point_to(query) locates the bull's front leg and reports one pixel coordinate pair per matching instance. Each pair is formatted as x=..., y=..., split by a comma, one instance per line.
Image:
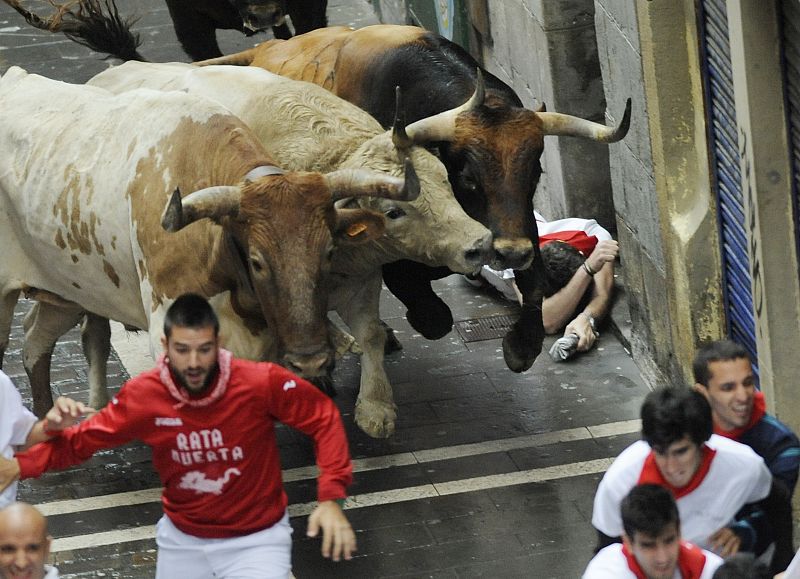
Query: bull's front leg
x=523, y=342
x=375, y=411
x=44, y=324
x=410, y=282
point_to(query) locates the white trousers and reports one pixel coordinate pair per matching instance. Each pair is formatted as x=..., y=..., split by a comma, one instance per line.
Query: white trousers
x=265, y=554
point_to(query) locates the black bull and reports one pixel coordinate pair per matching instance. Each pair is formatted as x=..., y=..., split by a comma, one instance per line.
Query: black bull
x=195, y=22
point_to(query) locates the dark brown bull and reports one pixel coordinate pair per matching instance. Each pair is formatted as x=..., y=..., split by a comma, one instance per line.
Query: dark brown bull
x=492, y=152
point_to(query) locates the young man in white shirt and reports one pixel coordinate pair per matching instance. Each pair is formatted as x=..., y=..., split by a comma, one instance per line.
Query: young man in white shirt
x=651, y=547
x=578, y=255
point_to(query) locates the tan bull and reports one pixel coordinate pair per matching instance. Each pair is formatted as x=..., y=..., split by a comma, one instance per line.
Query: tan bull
x=91, y=213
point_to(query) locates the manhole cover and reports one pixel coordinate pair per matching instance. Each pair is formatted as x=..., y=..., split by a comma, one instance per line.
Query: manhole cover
x=485, y=328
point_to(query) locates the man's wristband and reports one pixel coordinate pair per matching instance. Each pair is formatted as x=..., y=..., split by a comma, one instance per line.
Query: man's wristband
x=588, y=269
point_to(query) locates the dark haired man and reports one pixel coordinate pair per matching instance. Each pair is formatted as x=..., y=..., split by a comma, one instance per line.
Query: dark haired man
x=578, y=255
x=651, y=543
x=209, y=419
x=711, y=477
x=724, y=374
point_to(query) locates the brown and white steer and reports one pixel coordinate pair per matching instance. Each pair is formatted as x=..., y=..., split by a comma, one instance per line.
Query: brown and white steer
x=308, y=128
x=85, y=177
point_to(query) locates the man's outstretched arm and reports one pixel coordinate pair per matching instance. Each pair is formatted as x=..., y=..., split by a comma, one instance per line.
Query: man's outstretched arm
x=65, y=412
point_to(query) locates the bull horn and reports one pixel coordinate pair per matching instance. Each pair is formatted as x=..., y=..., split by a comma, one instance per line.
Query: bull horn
x=346, y=183
x=442, y=127
x=211, y=202
x=567, y=125
x=400, y=138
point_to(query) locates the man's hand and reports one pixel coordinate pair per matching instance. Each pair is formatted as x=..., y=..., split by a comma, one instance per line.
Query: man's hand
x=66, y=412
x=9, y=472
x=338, y=538
x=581, y=327
x=725, y=542
x=605, y=251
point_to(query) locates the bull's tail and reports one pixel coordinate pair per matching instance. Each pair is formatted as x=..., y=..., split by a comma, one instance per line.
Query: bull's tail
x=95, y=24
x=243, y=58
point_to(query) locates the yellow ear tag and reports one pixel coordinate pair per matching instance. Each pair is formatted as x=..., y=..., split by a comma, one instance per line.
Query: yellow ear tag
x=356, y=229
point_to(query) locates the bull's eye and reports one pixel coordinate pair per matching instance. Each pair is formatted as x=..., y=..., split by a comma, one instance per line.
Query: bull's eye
x=395, y=213
x=469, y=183
x=256, y=265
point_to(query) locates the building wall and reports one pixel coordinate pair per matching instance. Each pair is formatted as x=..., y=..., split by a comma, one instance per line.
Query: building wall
x=665, y=207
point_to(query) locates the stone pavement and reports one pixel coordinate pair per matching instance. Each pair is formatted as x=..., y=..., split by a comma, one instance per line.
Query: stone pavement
x=490, y=473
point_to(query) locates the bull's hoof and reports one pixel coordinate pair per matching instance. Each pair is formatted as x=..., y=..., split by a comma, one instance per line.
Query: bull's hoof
x=432, y=322
x=519, y=352
x=392, y=344
x=376, y=418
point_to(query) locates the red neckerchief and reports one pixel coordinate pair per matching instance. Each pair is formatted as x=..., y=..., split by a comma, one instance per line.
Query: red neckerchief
x=691, y=561
x=577, y=239
x=759, y=410
x=651, y=475
x=182, y=395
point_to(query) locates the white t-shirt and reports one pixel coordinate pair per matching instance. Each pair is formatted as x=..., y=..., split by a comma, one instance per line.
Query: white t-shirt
x=52, y=572
x=589, y=226
x=610, y=563
x=16, y=422
x=737, y=476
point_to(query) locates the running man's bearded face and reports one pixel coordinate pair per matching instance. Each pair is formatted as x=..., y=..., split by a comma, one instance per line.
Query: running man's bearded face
x=192, y=356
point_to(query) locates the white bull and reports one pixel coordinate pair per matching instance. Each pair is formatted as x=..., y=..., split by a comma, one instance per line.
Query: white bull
x=308, y=128
x=85, y=176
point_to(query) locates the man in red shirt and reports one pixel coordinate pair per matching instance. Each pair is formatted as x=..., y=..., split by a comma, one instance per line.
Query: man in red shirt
x=209, y=419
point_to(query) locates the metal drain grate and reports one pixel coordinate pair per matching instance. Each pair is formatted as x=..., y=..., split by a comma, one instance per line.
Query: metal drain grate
x=485, y=328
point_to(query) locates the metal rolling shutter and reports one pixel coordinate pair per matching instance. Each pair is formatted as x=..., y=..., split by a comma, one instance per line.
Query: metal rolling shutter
x=790, y=19
x=723, y=144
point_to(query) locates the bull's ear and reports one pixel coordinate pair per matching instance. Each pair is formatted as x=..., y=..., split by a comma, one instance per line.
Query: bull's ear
x=354, y=226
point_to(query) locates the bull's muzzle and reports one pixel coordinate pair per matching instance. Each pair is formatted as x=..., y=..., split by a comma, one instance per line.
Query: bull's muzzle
x=512, y=253
x=262, y=16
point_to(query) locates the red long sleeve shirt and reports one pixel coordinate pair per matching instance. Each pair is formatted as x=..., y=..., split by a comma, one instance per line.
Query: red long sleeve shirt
x=219, y=463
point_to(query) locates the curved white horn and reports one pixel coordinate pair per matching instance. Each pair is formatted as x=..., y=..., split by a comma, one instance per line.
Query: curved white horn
x=211, y=202
x=442, y=127
x=346, y=183
x=567, y=125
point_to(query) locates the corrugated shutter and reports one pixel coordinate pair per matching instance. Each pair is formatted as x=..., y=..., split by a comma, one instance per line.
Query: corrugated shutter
x=723, y=142
x=790, y=18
